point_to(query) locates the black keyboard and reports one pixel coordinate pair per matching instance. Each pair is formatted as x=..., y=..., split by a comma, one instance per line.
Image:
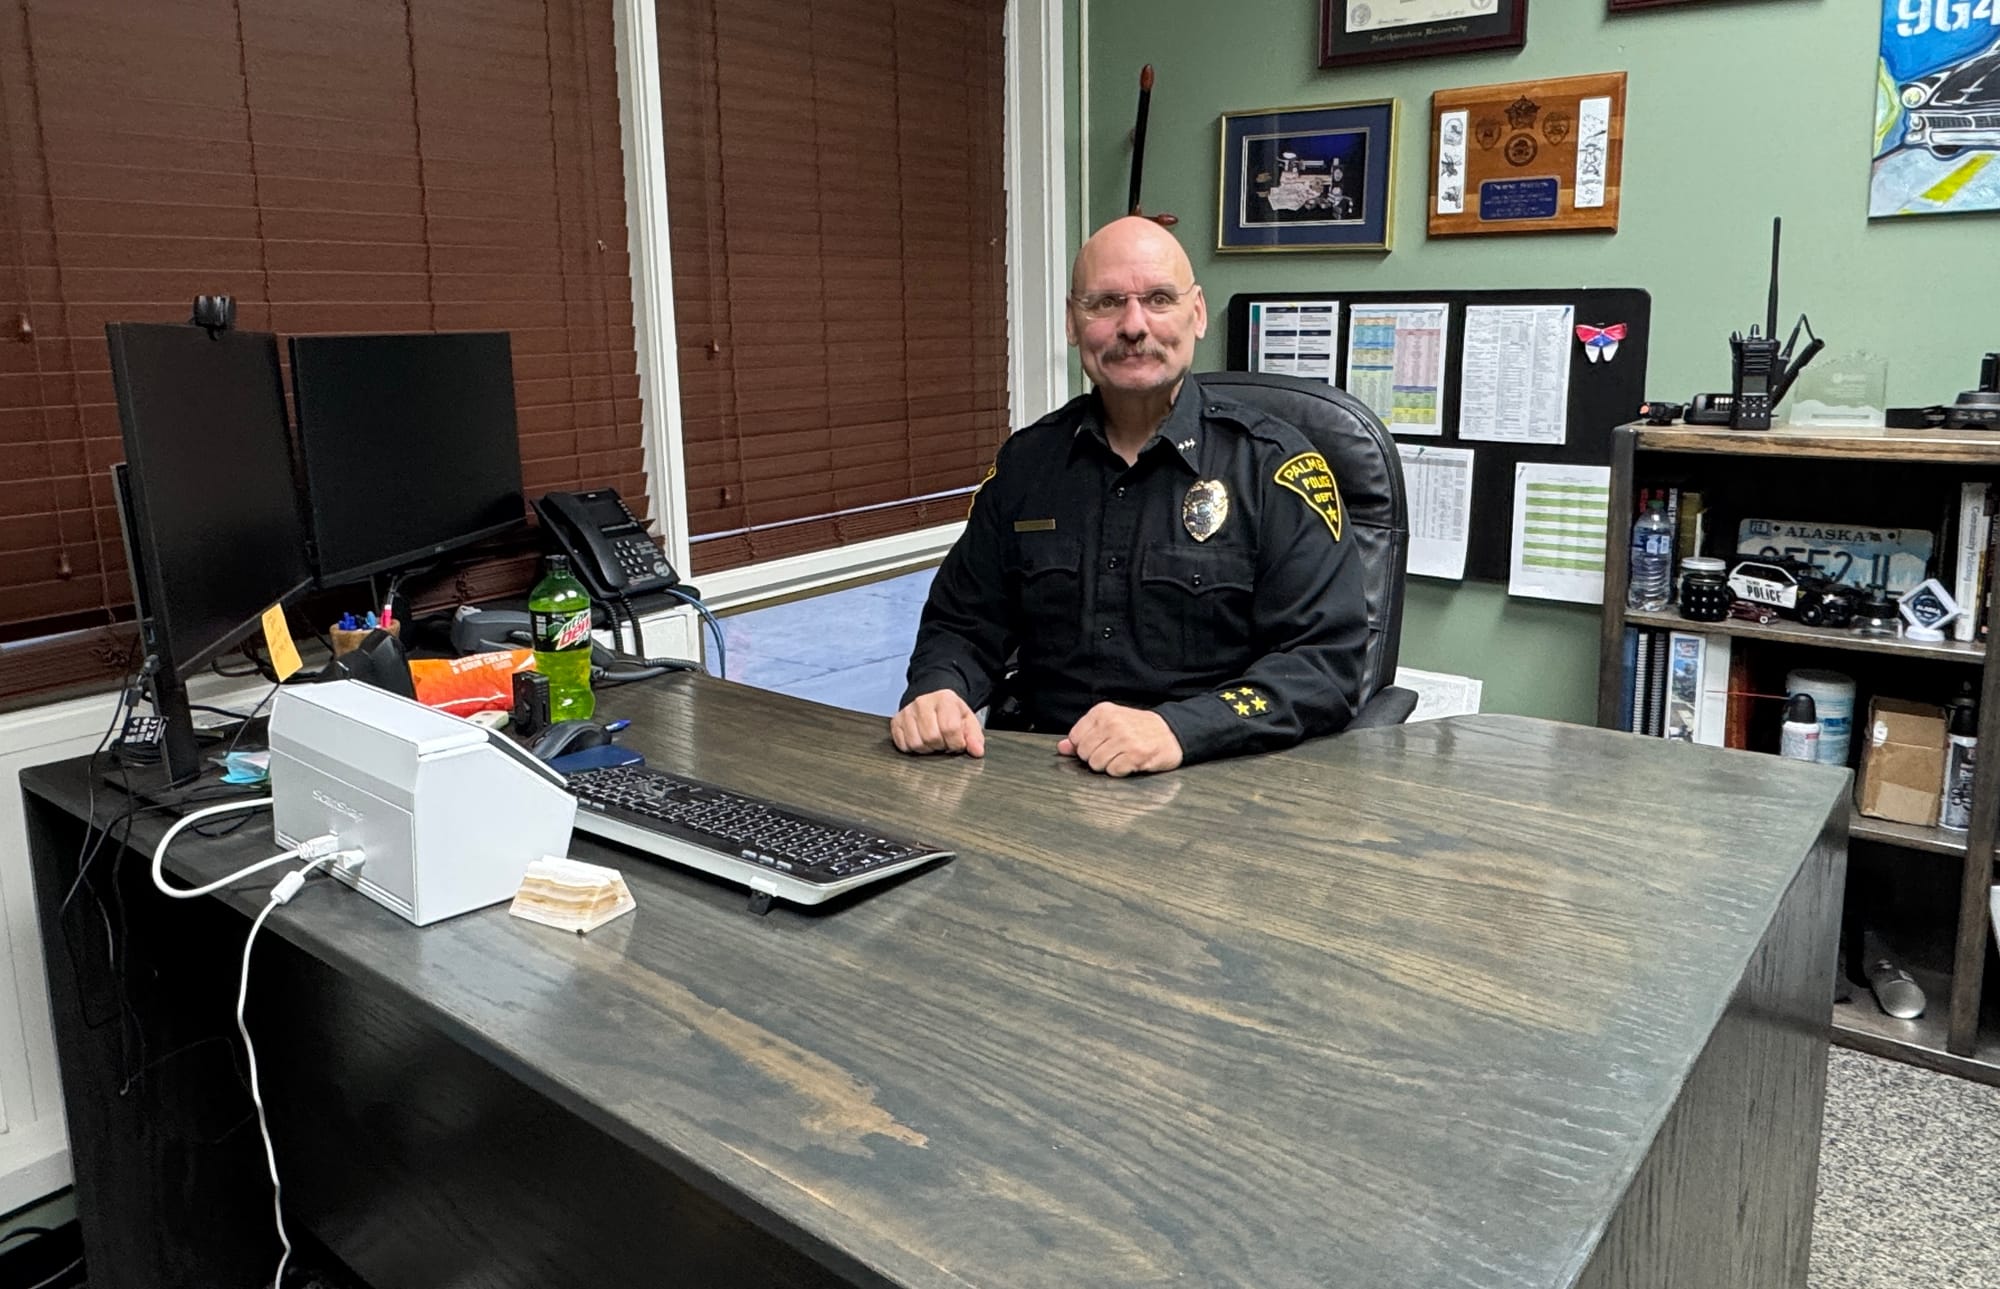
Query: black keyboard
x=778, y=851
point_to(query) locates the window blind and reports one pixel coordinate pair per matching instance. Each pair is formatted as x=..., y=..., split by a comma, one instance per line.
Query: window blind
x=371, y=165
x=838, y=218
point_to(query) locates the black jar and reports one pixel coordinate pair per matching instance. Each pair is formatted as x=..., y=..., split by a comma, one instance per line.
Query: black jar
x=1704, y=589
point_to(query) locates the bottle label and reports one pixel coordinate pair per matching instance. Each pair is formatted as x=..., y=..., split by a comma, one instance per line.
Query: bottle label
x=556, y=632
x=1659, y=544
x=1955, y=812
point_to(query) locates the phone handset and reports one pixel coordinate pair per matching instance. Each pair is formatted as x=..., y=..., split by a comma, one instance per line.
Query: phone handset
x=609, y=549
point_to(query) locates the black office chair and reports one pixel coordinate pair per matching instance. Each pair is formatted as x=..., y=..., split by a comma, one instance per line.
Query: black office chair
x=1363, y=456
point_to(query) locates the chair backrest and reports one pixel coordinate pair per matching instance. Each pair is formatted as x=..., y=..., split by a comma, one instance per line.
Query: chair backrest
x=1370, y=475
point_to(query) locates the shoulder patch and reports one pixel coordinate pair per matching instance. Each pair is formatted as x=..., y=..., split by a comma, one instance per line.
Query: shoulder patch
x=1311, y=477
x=984, y=479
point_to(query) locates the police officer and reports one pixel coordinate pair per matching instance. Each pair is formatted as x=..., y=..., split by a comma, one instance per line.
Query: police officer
x=1166, y=564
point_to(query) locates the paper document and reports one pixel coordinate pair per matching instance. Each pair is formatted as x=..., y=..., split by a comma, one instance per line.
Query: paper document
x=1514, y=383
x=1294, y=337
x=1440, y=693
x=1438, y=483
x=1559, y=517
x=1395, y=363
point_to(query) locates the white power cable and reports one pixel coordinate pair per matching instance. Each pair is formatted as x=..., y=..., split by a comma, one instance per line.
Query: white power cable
x=287, y=887
x=313, y=849
x=282, y=893
x=316, y=852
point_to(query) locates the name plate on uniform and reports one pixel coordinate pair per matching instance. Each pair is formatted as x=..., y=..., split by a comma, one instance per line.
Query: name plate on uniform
x=1527, y=156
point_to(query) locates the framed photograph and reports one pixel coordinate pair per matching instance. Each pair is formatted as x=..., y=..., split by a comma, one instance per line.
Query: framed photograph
x=1528, y=156
x=1375, y=31
x=1308, y=178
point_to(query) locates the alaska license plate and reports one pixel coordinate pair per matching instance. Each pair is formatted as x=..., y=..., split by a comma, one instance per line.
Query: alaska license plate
x=1847, y=553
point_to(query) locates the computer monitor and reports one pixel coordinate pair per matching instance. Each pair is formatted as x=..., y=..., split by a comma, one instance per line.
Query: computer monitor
x=409, y=446
x=209, y=498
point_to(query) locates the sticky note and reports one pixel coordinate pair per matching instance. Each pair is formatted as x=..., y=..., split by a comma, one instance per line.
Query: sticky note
x=278, y=639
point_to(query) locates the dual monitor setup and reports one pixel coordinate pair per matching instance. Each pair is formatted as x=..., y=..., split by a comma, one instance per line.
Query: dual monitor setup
x=405, y=449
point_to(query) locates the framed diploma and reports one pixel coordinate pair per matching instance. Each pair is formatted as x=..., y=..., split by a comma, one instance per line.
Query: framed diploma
x=1373, y=31
x=1528, y=156
x=1308, y=178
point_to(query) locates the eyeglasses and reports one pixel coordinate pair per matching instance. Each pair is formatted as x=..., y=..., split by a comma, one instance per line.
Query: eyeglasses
x=1110, y=304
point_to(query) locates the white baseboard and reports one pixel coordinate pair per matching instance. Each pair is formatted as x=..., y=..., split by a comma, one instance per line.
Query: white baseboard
x=34, y=1164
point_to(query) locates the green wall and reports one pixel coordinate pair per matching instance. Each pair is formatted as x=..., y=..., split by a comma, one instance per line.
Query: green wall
x=1736, y=112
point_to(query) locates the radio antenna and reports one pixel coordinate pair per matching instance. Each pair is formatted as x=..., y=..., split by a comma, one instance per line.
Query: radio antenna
x=1771, y=311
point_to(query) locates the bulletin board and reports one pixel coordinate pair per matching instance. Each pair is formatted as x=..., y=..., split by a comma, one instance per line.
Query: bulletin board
x=1602, y=395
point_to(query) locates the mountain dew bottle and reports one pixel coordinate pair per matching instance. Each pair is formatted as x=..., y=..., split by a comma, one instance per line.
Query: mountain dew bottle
x=559, y=616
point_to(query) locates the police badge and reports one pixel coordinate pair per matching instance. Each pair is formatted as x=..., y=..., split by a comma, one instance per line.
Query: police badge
x=1204, y=508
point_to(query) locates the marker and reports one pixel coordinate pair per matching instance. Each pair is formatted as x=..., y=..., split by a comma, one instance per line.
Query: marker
x=615, y=726
x=388, y=615
x=348, y=623
x=370, y=622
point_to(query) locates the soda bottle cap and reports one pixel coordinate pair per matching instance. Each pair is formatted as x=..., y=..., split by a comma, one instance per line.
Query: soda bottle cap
x=1799, y=710
x=558, y=563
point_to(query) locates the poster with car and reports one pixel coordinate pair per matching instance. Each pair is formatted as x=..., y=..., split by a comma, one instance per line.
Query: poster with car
x=1937, y=108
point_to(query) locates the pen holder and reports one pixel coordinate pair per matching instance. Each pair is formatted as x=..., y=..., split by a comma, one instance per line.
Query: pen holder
x=346, y=642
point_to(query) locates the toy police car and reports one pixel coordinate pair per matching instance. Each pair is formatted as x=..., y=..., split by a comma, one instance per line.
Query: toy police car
x=1796, y=589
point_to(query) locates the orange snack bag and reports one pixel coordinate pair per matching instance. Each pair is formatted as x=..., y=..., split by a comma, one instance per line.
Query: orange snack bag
x=480, y=682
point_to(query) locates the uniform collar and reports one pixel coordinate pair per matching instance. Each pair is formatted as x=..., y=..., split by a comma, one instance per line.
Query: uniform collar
x=1182, y=430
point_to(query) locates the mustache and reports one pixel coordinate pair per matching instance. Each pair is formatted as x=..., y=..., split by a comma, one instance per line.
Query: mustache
x=1121, y=351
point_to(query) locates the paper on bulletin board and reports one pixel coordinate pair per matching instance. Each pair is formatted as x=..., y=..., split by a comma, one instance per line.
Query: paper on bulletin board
x=1294, y=337
x=1440, y=693
x=1438, y=484
x=1395, y=363
x=1558, y=544
x=1514, y=381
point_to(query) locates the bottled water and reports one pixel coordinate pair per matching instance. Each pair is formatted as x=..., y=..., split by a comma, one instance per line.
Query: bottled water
x=1652, y=559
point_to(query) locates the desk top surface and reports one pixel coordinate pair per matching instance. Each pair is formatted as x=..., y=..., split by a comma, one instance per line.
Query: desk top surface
x=1405, y=1006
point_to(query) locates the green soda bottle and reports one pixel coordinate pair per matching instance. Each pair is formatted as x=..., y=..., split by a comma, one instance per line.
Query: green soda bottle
x=559, y=614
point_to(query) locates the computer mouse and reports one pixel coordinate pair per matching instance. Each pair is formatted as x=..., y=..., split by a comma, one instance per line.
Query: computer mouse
x=570, y=736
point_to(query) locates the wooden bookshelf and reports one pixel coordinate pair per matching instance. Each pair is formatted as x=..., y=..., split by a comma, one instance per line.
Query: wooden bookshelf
x=1930, y=447
x=1865, y=1027
x=1819, y=637
x=1885, y=477
x=1938, y=841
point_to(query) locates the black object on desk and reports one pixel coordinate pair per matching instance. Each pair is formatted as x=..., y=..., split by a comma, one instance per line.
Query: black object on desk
x=378, y=660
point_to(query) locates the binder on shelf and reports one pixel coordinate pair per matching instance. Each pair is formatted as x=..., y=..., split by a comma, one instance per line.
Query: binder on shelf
x=1656, y=687
x=1630, y=656
x=1698, y=688
x=1974, y=520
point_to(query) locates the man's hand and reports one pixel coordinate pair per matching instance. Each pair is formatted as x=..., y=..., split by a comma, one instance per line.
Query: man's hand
x=938, y=721
x=1119, y=741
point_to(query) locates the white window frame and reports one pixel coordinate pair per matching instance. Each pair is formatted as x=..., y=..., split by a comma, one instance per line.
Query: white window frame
x=1037, y=269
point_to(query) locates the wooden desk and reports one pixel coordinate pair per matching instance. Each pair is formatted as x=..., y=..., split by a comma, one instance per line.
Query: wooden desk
x=1482, y=1002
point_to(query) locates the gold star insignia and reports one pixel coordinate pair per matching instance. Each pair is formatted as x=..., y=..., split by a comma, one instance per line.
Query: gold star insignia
x=1228, y=695
x=1258, y=702
x=1242, y=709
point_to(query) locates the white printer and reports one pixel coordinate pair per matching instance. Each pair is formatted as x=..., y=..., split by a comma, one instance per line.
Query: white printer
x=447, y=814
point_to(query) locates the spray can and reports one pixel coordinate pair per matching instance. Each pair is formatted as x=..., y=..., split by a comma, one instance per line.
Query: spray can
x=1961, y=742
x=1799, y=739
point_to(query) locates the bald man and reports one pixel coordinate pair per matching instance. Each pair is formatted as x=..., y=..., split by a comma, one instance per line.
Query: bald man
x=1163, y=564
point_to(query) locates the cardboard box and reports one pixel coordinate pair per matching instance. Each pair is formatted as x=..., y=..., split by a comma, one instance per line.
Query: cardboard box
x=1902, y=761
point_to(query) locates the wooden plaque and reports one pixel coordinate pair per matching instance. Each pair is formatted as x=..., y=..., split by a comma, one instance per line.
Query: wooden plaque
x=1528, y=156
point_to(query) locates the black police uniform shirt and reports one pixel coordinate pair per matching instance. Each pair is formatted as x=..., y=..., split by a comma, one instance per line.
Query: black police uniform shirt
x=1247, y=640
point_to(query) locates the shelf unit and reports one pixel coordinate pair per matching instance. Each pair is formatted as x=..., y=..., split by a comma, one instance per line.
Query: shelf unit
x=1956, y=1034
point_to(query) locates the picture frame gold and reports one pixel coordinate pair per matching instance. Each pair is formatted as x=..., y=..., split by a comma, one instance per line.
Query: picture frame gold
x=1314, y=178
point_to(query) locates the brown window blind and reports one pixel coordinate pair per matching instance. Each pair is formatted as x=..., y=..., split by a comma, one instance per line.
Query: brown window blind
x=836, y=205
x=424, y=165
